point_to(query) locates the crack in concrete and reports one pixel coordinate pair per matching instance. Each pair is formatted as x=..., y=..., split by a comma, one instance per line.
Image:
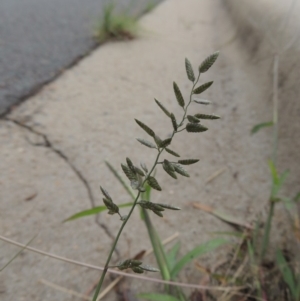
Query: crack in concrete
x=47, y=144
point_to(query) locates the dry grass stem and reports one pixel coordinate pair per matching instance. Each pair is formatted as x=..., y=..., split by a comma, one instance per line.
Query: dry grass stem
x=173, y=283
x=62, y=289
x=215, y=175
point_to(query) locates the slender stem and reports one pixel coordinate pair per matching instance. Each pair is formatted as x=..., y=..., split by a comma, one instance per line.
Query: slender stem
x=267, y=231
x=136, y=199
x=119, y=233
x=275, y=108
x=191, y=94
x=181, y=130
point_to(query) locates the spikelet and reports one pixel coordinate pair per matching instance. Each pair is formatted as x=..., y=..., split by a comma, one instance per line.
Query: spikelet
x=202, y=88
x=195, y=128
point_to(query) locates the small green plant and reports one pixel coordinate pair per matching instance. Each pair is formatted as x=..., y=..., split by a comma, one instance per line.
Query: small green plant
x=290, y=275
x=115, y=26
x=254, y=243
x=141, y=179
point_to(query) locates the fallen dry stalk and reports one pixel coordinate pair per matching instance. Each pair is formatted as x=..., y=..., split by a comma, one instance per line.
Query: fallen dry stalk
x=174, y=283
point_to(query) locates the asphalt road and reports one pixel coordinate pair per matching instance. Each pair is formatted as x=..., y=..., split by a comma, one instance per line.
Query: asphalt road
x=39, y=38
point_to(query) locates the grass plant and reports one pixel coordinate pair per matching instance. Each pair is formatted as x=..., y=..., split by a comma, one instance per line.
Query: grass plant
x=142, y=180
x=269, y=275
x=118, y=26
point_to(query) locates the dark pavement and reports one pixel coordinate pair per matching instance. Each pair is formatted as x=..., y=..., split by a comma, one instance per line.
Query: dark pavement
x=39, y=38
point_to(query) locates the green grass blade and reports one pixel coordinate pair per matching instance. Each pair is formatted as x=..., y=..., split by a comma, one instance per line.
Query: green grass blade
x=297, y=197
x=18, y=253
x=93, y=211
x=289, y=205
x=260, y=126
x=197, y=251
x=172, y=254
x=275, y=177
x=277, y=180
x=281, y=180
x=121, y=180
x=157, y=297
x=256, y=235
x=157, y=248
x=286, y=273
x=298, y=287
x=251, y=254
x=147, y=194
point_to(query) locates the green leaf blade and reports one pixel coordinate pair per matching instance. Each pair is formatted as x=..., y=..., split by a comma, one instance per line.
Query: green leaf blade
x=157, y=247
x=286, y=272
x=157, y=297
x=172, y=254
x=197, y=251
x=260, y=126
x=121, y=180
x=92, y=211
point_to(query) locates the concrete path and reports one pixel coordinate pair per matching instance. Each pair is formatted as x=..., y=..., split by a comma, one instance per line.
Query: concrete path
x=40, y=38
x=54, y=145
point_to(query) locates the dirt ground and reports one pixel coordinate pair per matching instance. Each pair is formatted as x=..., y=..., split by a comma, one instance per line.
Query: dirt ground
x=87, y=116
